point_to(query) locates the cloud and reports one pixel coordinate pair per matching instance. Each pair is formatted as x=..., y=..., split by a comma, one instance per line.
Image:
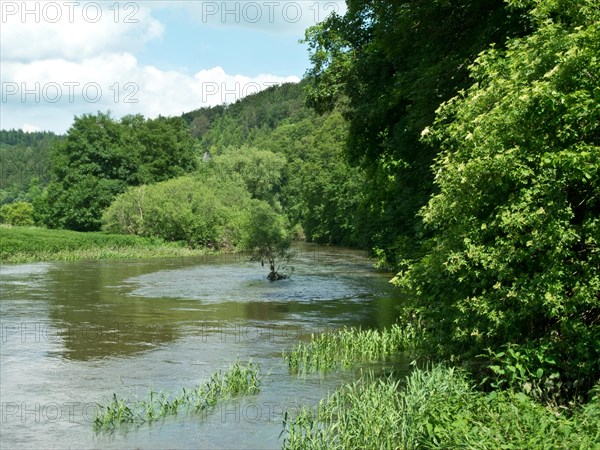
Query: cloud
x=61, y=59
x=27, y=127
x=74, y=30
x=64, y=88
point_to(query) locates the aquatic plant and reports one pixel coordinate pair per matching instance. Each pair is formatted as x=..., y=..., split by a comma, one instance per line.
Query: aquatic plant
x=346, y=347
x=240, y=379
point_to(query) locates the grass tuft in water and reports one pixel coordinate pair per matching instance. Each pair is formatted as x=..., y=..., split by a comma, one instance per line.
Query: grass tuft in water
x=239, y=379
x=344, y=348
x=436, y=408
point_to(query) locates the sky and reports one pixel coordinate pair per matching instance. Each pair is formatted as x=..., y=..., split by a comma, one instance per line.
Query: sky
x=60, y=59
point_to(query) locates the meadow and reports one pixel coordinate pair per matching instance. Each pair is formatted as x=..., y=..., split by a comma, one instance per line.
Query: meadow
x=31, y=244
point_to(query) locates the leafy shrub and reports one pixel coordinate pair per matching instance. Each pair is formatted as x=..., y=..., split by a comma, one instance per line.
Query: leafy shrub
x=17, y=214
x=201, y=213
x=515, y=254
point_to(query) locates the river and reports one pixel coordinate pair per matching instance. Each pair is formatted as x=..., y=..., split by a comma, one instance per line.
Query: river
x=74, y=333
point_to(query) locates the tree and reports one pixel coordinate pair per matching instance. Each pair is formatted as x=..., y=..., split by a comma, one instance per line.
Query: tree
x=266, y=236
x=388, y=66
x=515, y=257
x=101, y=157
x=259, y=170
x=17, y=214
x=201, y=213
x=322, y=191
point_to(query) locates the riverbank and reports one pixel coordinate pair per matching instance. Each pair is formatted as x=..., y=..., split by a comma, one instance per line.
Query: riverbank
x=435, y=406
x=31, y=244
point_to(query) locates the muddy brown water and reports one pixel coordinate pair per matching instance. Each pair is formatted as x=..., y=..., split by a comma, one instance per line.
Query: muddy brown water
x=74, y=333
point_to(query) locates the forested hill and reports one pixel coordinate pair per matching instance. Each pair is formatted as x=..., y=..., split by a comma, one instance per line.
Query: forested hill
x=264, y=110
x=24, y=164
x=316, y=188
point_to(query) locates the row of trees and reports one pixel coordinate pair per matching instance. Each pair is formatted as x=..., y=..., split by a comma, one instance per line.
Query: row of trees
x=101, y=157
x=500, y=239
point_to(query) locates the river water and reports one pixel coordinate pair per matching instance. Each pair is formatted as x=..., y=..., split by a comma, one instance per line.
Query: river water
x=75, y=333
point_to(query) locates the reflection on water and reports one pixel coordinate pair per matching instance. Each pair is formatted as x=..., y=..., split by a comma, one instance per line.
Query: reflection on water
x=74, y=333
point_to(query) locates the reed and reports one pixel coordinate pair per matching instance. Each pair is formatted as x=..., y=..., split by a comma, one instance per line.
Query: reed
x=240, y=379
x=346, y=347
x=436, y=408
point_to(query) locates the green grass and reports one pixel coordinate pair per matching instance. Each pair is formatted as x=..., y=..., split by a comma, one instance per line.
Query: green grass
x=347, y=347
x=238, y=380
x=30, y=244
x=437, y=408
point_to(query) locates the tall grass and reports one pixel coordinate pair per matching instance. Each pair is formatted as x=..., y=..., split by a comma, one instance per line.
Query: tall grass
x=238, y=380
x=344, y=348
x=437, y=408
x=30, y=244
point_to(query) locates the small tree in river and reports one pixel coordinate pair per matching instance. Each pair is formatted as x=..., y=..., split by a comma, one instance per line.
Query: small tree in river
x=267, y=237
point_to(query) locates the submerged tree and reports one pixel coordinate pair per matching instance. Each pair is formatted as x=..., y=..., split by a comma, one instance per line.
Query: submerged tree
x=267, y=237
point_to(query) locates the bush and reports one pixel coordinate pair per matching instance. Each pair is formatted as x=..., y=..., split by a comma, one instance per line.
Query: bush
x=17, y=214
x=186, y=209
x=514, y=256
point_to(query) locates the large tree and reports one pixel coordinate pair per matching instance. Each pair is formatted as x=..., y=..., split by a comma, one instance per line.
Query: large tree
x=389, y=65
x=515, y=255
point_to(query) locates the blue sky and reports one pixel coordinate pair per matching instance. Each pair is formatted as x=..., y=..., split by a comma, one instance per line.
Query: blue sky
x=190, y=44
x=60, y=59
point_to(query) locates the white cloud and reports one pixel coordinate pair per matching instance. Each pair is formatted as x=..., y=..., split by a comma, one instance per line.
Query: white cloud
x=47, y=30
x=117, y=82
x=27, y=127
x=61, y=59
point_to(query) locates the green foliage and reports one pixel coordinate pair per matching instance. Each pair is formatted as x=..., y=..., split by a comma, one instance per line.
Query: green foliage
x=259, y=170
x=238, y=380
x=17, y=214
x=251, y=117
x=101, y=157
x=388, y=65
x=199, y=212
x=514, y=256
x=306, y=171
x=266, y=237
x=323, y=193
x=24, y=164
x=528, y=370
x=436, y=408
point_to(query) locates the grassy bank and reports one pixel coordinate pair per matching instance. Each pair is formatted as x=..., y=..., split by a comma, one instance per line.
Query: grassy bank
x=29, y=244
x=438, y=408
x=434, y=407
